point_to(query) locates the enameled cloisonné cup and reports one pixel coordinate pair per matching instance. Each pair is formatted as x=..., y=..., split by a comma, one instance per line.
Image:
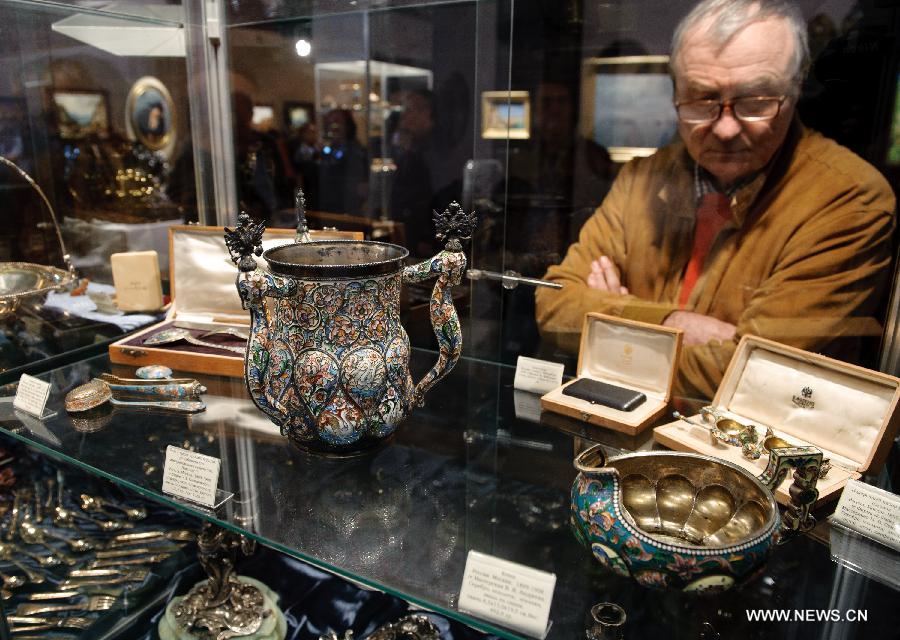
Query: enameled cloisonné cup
x=327, y=359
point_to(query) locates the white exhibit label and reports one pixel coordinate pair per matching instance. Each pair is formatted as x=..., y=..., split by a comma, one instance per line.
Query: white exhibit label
x=191, y=475
x=537, y=376
x=871, y=511
x=507, y=593
x=31, y=395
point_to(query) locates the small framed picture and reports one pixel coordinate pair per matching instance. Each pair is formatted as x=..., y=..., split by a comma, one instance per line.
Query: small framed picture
x=505, y=115
x=81, y=113
x=263, y=118
x=626, y=104
x=298, y=114
x=150, y=113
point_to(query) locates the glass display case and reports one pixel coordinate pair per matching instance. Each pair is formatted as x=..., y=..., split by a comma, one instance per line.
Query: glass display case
x=478, y=469
x=522, y=112
x=134, y=117
x=97, y=111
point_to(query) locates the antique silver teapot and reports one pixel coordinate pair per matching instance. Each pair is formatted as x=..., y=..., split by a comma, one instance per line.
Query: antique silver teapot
x=327, y=359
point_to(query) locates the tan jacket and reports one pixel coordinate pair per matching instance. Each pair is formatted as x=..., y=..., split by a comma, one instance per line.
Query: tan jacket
x=804, y=261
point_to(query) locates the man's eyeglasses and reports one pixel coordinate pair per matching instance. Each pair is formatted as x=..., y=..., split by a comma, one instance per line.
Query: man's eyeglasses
x=753, y=109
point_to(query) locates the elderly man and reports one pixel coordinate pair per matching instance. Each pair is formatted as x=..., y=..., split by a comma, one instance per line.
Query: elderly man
x=747, y=224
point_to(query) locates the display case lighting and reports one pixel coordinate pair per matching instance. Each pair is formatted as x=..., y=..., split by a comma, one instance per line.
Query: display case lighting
x=303, y=47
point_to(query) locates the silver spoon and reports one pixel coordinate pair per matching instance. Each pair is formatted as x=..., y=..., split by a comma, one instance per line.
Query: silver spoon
x=38, y=502
x=60, y=492
x=227, y=331
x=168, y=336
x=11, y=582
x=683, y=418
x=94, y=393
x=34, y=535
x=13, y=518
x=183, y=388
x=33, y=576
x=7, y=550
x=51, y=485
x=93, y=503
x=141, y=537
x=79, y=545
x=65, y=516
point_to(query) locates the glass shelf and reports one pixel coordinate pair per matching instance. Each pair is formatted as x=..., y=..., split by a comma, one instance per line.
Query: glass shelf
x=122, y=10
x=464, y=473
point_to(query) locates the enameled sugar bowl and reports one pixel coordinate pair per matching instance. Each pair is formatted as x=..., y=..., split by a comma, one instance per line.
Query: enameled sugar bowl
x=687, y=521
x=327, y=359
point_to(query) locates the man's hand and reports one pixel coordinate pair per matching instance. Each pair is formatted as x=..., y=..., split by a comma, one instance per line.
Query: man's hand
x=698, y=328
x=604, y=276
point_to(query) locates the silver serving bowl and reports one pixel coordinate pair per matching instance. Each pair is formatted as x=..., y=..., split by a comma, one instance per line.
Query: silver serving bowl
x=673, y=520
x=20, y=280
x=693, y=500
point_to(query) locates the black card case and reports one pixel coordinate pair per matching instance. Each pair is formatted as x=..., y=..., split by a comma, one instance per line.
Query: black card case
x=608, y=395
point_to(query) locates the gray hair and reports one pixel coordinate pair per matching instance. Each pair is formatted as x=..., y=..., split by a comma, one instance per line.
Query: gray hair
x=729, y=17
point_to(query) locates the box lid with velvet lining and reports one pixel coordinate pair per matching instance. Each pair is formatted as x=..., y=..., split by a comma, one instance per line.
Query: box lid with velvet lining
x=202, y=275
x=840, y=407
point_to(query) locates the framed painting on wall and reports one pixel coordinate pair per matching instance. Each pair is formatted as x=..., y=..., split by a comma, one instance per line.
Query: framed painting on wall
x=626, y=104
x=298, y=114
x=263, y=118
x=81, y=113
x=150, y=113
x=505, y=115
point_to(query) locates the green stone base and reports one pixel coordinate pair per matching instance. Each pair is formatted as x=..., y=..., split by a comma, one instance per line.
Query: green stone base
x=274, y=626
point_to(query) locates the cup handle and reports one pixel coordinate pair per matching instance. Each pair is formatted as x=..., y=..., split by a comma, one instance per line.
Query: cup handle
x=448, y=266
x=806, y=462
x=254, y=285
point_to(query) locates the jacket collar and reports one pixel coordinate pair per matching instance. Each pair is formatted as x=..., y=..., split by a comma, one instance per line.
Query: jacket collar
x=677, y=191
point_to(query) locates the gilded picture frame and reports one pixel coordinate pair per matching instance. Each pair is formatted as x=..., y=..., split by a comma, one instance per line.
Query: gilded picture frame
x=81, y=113
x=505, y=115
x=150, y=114
x=626, y=104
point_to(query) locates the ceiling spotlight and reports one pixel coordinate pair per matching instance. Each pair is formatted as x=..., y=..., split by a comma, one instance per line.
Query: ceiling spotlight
x=303, y=47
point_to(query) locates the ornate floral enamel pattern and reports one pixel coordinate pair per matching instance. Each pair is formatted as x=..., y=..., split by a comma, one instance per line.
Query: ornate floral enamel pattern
x=328, y=359
x=675, y=520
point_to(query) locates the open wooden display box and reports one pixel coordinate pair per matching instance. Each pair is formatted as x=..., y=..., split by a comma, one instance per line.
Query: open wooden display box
x=625, y=353
x=807, y=399
x=204, y=297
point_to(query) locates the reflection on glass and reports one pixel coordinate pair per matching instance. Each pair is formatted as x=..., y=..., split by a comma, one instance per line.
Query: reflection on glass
x=151, y=113
x=81, y=113
x=65, y=117
x=633, y=110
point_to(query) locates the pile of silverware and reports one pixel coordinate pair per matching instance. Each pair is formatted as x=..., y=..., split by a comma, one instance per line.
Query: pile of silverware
x=64, y=555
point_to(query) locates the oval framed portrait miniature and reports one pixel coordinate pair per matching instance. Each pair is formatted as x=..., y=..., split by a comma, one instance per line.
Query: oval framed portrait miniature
x=150, y=114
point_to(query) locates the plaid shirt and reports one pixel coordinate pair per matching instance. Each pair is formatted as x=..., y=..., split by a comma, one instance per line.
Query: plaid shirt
x=704, y=184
